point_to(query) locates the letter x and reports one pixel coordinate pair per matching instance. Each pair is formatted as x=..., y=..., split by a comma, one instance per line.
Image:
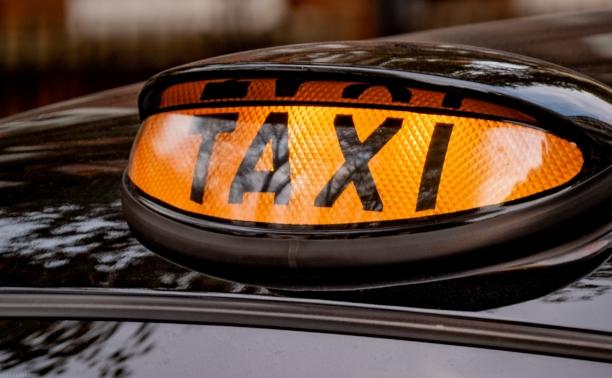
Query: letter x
x=356, y=157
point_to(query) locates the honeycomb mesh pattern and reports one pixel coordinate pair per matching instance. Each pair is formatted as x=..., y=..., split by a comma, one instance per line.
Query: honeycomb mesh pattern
x=487, y=162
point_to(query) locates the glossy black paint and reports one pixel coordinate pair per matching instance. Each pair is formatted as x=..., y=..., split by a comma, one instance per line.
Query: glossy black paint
x=578, y=41
x=392, y=253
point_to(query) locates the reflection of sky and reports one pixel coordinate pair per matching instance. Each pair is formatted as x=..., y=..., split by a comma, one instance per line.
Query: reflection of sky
x=273, y=353
x=171, y=350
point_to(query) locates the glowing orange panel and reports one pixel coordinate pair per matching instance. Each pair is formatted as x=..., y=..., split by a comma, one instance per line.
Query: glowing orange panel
x=329, y=165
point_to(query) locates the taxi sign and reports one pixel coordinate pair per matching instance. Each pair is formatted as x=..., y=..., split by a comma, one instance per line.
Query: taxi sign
x=368, y=164
x=331, y=153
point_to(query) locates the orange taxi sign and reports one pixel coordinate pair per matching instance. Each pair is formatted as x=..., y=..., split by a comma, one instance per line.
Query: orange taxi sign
x=298, y=163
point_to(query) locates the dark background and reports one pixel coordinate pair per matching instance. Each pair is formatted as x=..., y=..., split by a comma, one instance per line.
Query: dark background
x=51, y=50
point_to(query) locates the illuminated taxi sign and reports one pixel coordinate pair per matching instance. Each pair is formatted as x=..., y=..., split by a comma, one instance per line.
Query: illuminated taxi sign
x=323, y=153
x=368, y=164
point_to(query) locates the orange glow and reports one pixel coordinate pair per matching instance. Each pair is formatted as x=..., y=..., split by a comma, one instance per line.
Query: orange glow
x=487, y=162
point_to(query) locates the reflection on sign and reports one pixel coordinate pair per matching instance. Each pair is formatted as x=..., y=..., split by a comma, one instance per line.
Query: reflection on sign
x=323, y=165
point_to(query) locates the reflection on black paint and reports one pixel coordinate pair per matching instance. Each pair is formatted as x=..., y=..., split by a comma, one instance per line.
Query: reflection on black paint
x=47, y=347
x=63, y=227
x=471, y=64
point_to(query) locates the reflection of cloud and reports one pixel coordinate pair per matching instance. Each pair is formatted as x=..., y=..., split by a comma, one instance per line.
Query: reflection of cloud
x=167, y=145
x=502, y=153
x=487, y=67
